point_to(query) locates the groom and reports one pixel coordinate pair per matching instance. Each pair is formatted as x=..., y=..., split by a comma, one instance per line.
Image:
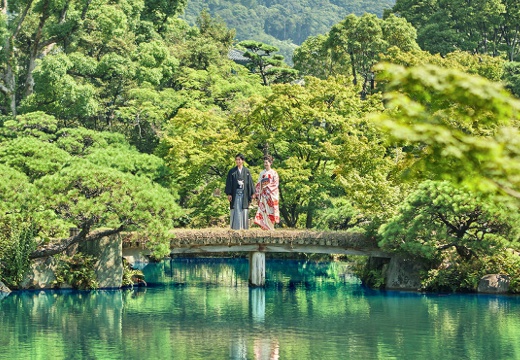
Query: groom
x=240, y=191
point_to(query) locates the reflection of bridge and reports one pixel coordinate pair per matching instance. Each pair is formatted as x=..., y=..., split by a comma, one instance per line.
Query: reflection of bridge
x=258, y=242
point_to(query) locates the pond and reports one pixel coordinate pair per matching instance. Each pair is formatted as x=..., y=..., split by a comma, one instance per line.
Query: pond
x=204, y=309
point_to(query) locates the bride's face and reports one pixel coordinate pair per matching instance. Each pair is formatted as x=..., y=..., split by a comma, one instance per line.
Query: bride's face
x=267, y=164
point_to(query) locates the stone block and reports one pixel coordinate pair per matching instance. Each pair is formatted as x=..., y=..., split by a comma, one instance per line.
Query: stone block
x=41, y=274
x=494, y=284
x=403, y=274
x=109, y=265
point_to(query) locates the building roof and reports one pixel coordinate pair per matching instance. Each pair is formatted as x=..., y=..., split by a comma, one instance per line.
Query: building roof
x=238, y=56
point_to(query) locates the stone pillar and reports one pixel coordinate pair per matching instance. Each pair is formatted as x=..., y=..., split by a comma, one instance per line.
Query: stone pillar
x=109, y=264
x=403, y=274
x=257, y=268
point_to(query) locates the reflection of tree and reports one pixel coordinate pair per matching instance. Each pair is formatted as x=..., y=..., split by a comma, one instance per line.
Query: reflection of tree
x=67, y=324
x=214, y=271
x=334, y=320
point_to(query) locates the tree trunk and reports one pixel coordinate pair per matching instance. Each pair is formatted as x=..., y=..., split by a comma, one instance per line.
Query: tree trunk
x=352, y=64
x=9, y=87
x=29, y=81
x=310, y=215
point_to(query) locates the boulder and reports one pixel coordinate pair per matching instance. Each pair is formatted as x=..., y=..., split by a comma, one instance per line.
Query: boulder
x=108, y=267
x=41, y=274
x=4, y=290
x=403, y=274
x=109, y=264
x=494, y=284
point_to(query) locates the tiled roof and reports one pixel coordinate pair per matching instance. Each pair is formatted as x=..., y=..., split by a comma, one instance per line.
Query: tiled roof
x=237, y=56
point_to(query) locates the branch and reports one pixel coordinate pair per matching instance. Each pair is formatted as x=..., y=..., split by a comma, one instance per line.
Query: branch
x=445, y=221
x=64, y=244
x=22, y=18
x=4, y=90
x=216, y=171
x=506, y=189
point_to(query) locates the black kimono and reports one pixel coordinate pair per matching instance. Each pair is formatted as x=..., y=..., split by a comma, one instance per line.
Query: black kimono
x=232, y=186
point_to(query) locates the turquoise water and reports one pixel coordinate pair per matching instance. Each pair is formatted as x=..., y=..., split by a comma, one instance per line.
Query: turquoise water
x=203, y=309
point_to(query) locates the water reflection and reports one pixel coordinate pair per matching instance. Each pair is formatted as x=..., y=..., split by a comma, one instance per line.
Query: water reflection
x=203, y=309
x=257, y=304
x=265, y=346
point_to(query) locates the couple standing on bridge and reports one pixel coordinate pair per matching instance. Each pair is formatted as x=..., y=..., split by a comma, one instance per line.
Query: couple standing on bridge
x=240, y=192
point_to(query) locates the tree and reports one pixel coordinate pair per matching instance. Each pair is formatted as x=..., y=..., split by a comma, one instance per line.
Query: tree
x=79, y=178
x=108, y=201
x=512, y=78
x=199, y=147
x=33, y=31
x=480, y=27
x=304, y=127
x=314, y=58
x=158, y=12
x=439, y=216
x=354, y=46
x=16, y=226
x=270, y=66
x=458, y=126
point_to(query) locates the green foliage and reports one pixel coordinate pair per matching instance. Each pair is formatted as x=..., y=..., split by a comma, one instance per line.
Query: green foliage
x=15, y=190
x=130, y=161
x=57, y=93
x=280, y=23
x=158, y=11
x=84, y=179
x=465, y=276
x=512, y=77
x=16, y=244
x=457, y=126
x=77, y=271
x=370, y=275
x=199, y=147
x=109, y=198
x=446, y=25
x=313, y=58
x=303, y=125
x=82, y=142
x=440, y=217
x=131, y=276
x=339, y=215
x=263, y=61
x=36, y=124
x=353, y=46
x=489, y=67
x=33, y=157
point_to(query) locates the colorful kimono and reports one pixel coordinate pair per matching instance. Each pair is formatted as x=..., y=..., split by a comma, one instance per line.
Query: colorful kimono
x=267, y=194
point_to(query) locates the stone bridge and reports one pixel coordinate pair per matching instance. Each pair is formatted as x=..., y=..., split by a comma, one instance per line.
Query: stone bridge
x=257, y=242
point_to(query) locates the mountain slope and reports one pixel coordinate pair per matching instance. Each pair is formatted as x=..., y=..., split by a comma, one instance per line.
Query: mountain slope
x=282, y=23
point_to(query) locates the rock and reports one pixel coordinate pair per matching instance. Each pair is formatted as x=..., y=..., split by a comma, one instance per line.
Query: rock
x=108, y=267
x=494, y=284
x=41, y=274
x=403, y=274
x=4, y=290
x=109, y=264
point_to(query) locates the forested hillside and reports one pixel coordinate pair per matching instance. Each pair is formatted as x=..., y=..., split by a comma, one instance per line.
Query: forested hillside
x=282, y=23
